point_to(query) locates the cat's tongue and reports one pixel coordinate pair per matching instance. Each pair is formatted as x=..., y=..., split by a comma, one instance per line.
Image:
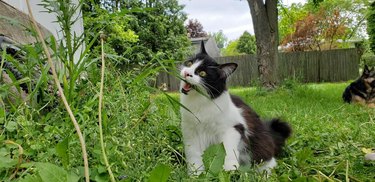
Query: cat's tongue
x=186, y=88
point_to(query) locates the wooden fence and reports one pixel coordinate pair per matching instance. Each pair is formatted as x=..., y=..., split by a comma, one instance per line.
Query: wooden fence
x=313, y=66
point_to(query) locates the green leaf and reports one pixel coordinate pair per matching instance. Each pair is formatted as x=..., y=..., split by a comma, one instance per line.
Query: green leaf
x=11, y=126
x=31, y=178
x=213, y=159
x=50, y=172
x=2, y=115
x=101, y=169
x=101, y=177
x=7, y=162
x=72, y=177
x=160, y=173
x=62, y=150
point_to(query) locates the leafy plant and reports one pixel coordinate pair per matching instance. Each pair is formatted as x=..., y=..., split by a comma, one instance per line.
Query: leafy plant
x=371, y=25
x=160, y=173
x=213, y=159
x=246, y=43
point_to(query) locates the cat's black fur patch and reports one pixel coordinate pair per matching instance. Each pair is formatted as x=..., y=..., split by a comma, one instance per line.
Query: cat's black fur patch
x=265, y=139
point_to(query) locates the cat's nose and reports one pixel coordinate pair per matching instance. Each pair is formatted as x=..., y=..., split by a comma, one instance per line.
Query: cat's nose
x=186, y=74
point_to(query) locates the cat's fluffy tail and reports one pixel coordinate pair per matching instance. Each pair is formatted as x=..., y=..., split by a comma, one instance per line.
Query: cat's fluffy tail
x=280, y=132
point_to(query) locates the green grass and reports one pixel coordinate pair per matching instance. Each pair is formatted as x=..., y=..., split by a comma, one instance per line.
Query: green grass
x=142, y=128
x=328, y=135
x=142, y=131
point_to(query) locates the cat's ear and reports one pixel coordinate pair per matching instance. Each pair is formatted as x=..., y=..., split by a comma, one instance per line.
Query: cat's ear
x=227, y=69
x=203, y=49
x=366, y=67
x=366, y=71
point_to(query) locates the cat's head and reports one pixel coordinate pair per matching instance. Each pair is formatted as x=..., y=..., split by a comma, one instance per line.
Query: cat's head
x=204, y=74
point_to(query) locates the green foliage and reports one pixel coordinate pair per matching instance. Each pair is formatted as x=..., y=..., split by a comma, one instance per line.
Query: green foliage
x=246, y=43
x=117, y=29
x=6, y=160
x=62, y=149
x=231, y=49
x=353, y=14
x=44, y=129
x=319, y=25
x=243, y=45
x=288, y=16
x=213, y=159
x=49, y=172
x=220, y=38
x=371, y=26
x=142, y=128
x=368, y=57
x=138, y=31
x=160, y=173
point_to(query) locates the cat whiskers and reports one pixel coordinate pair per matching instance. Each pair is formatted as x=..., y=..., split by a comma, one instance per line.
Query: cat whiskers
x=204, y=85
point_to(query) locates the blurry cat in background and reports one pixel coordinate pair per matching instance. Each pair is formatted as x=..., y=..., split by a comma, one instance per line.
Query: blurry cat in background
x=362, y=91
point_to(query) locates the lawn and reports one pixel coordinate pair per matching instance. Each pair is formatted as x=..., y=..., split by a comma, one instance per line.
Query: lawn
x=142, y=132
x=328, y=135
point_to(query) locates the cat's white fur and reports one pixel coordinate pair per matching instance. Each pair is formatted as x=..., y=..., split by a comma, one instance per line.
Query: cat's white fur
x=211, y=122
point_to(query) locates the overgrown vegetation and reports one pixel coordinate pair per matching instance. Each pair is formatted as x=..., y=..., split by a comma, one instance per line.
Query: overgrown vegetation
x=141, y=124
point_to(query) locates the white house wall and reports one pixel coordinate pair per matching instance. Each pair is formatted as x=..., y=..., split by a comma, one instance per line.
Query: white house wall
x=48, y=20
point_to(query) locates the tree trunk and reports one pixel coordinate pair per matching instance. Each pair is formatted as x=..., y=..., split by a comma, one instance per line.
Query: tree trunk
x=264, y=16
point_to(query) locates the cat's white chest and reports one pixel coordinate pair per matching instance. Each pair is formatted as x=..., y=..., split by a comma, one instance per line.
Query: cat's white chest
x=209, y=118
x=210, y=122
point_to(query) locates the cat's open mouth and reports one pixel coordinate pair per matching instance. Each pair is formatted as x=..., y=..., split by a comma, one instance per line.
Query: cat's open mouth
x=186, y=88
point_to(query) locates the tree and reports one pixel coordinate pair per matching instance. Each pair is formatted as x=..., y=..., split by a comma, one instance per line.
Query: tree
x=371, y=26
x=288, y=16
x=264, y=16
x=352, y=14
x=318, y=31
x=160, y=27
x=322, y=24
x=220, y=38
x=195, y=29
x=246, y=43
x=139, y=31
x=231, y=49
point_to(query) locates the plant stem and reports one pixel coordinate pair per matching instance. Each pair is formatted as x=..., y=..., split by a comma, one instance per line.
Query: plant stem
x=20, y=153
x=100, y=112
x=57, y=82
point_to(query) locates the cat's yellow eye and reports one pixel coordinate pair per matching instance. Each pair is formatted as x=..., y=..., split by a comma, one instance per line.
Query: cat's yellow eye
x=202, y=73
x=188, y=64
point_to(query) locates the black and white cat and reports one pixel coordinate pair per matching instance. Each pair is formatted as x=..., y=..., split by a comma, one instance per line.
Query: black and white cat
x=214, y=116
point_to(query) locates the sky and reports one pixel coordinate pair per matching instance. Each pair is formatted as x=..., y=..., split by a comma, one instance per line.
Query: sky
x=231, y=16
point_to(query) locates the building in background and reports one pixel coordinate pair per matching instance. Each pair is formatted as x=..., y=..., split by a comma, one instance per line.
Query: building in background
x=17, y=10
